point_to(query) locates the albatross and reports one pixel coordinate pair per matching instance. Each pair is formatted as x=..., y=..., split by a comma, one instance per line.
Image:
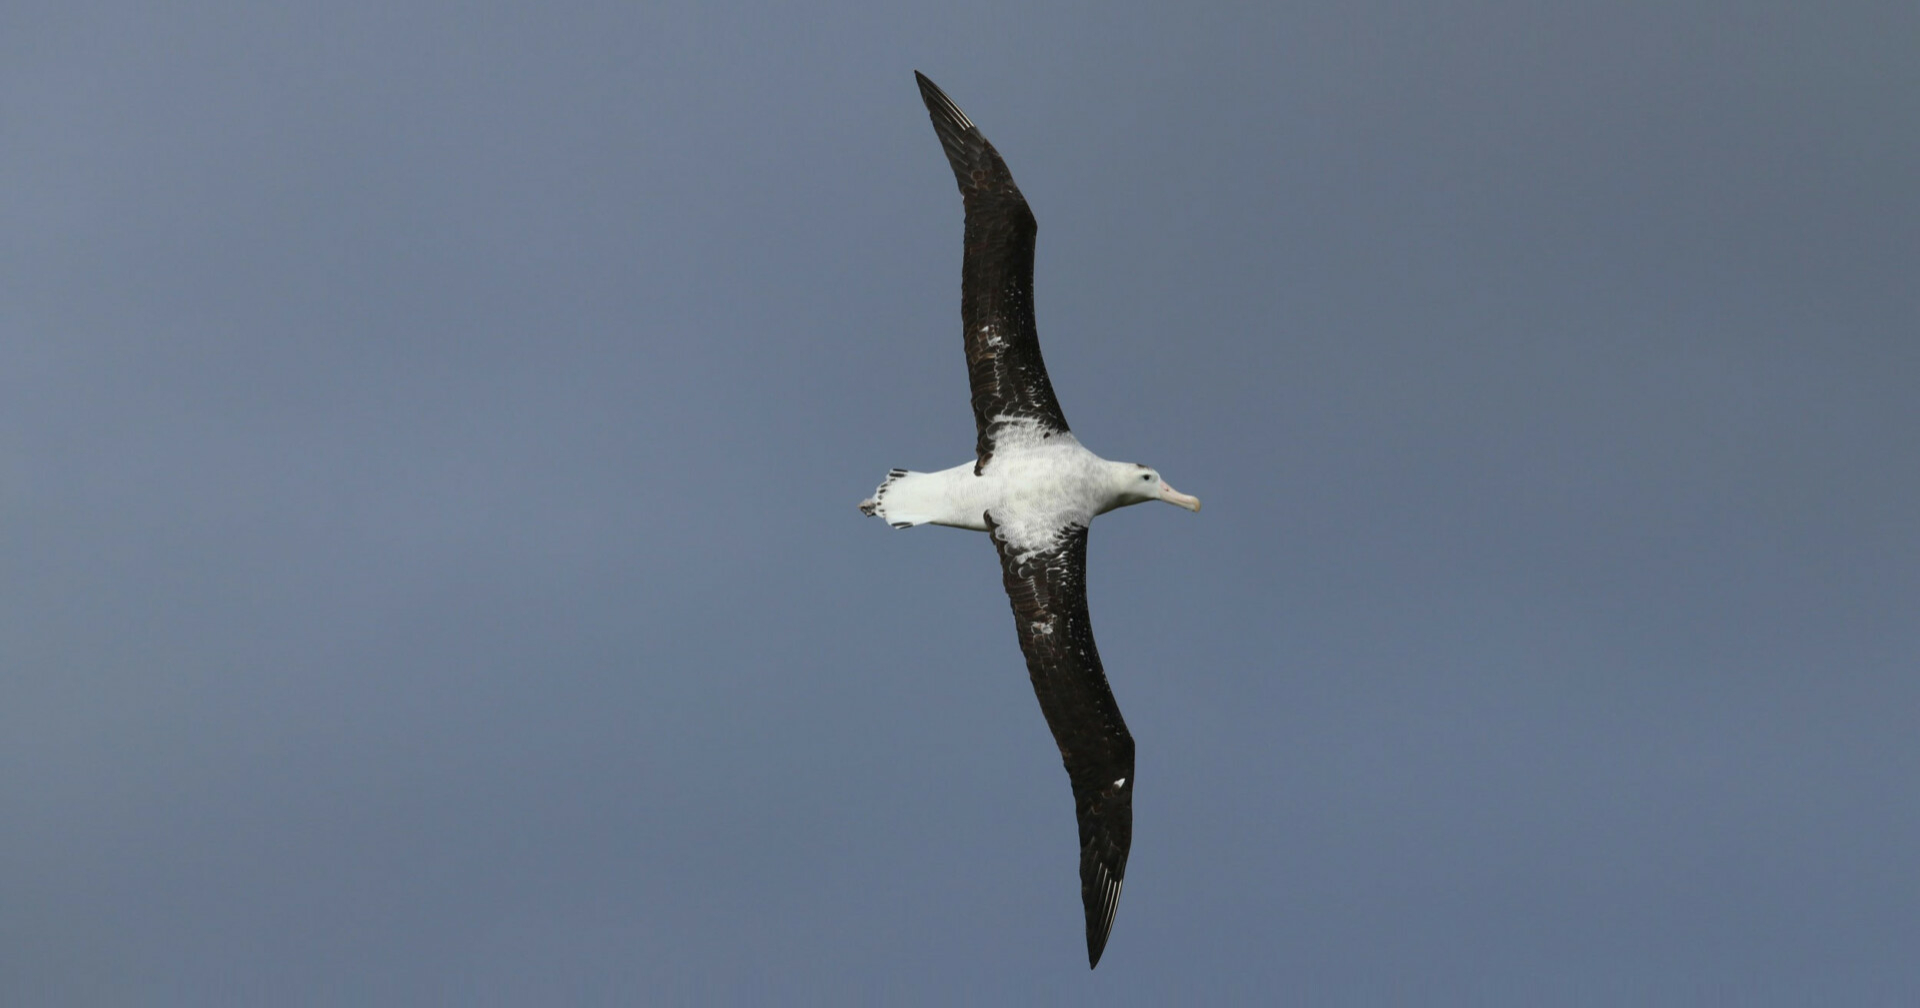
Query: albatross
x=1034, y=490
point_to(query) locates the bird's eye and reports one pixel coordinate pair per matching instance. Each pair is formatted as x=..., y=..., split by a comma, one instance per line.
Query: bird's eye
x=1146, y=477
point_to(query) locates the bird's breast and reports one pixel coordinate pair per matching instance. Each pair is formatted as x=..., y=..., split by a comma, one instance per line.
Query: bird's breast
x=1036, y=492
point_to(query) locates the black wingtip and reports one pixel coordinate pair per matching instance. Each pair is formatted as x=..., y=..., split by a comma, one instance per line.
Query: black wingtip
x=1106, y=833
x=1102, y=898
x=946, y=115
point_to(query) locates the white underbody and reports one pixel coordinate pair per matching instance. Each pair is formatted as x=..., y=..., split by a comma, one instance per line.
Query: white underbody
x=1034, y=487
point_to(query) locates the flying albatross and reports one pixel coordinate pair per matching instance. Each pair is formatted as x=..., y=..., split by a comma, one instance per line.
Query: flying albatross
x=1034, y=490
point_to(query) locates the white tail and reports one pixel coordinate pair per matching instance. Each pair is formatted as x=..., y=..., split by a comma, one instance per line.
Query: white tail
x=906, y=499
x=953, y=497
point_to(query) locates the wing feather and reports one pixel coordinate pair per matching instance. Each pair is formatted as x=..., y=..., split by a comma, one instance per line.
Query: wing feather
x=1004, y=368
x=1048, y=592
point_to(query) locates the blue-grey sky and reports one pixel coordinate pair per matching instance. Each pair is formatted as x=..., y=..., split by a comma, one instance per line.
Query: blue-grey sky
x=429, y=436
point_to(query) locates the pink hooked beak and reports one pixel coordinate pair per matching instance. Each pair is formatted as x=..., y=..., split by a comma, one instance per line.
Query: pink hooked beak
x=1172, y=496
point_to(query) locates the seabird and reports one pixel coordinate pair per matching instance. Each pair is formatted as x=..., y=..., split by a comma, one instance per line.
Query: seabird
x=1034, y=490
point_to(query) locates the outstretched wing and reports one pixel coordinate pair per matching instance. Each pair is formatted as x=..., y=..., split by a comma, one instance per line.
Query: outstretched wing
x=1010, y=386
x=1048, y=591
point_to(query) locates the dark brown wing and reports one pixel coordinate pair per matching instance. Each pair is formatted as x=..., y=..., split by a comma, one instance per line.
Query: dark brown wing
x=996, y=284
x=1048, y=591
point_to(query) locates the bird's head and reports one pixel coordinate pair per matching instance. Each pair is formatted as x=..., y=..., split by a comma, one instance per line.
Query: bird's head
x=1134, y=483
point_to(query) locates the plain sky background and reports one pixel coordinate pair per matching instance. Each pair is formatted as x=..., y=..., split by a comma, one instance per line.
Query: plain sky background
x=430, y=435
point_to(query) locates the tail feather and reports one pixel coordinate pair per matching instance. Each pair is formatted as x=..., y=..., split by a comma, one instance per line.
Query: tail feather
x=890, y=505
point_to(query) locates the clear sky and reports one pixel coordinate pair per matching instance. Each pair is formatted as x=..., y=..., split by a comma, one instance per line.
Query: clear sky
x=430, y=435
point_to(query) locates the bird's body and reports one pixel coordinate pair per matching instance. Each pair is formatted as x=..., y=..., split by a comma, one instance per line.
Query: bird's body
x=1032, y=486
x=1035, y=490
